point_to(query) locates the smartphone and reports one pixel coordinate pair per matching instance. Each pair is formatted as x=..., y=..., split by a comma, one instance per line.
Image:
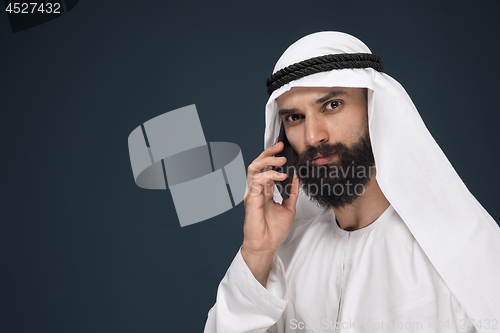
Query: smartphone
x=285, y=186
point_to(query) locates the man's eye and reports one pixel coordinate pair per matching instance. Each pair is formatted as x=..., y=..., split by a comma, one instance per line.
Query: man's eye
x=293, y=117
x=333, y=104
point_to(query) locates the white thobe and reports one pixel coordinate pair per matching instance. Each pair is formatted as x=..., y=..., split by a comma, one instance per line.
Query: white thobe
x=326, y=279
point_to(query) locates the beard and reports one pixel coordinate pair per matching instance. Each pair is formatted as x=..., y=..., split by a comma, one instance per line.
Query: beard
x=336, y=184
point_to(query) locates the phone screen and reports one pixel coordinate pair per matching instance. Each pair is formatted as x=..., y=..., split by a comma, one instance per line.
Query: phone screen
x=285, y=186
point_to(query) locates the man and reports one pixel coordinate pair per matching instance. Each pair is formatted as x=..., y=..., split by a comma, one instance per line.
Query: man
x=413, y=251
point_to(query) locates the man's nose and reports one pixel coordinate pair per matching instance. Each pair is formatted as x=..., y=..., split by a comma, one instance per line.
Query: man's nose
x=315, y=131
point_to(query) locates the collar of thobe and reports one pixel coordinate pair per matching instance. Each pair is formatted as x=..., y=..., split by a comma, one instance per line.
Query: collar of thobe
x=461, y=240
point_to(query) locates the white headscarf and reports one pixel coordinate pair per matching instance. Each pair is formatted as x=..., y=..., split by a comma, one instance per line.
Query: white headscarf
x=458, y=236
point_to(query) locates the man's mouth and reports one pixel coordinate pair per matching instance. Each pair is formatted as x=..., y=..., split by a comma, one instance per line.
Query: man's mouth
x=322, y=160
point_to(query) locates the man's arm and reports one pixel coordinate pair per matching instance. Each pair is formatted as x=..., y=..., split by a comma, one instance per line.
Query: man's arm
x=244, y=305
x=252, y=297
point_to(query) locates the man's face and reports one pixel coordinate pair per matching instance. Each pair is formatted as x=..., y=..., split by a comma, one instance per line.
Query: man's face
x=328, y=129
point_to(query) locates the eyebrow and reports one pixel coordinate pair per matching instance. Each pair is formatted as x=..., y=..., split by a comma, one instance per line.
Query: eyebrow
x=329, y=95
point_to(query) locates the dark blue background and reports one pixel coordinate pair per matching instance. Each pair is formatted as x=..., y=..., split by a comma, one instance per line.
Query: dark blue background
x=82, y=248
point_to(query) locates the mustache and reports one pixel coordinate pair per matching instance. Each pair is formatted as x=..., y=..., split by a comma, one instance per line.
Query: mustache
x=325, y=149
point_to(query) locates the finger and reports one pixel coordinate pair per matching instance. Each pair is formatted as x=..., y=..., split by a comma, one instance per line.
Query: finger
x=268, y=190
x=266, y=163
x=269, y=175
x=291, y=202
x=270, y=151
x=263, y=166
x=258, y=181
x=262, y=188
x=257, y=165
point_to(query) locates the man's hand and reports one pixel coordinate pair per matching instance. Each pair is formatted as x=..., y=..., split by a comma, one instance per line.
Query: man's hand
x=267, y=223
